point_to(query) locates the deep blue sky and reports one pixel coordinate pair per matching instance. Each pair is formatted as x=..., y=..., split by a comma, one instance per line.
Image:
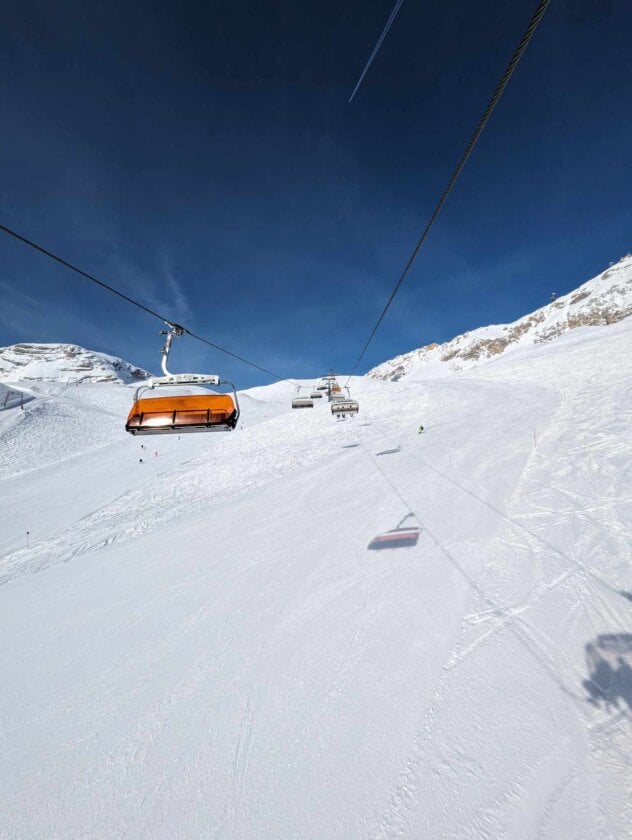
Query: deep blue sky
x=203, y=157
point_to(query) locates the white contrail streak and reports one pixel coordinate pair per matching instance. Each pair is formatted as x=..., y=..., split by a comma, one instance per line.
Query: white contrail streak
x=376, y=48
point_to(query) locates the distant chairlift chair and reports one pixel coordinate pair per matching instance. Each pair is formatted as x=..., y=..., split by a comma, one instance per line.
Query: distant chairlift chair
x=342, y=406
x=302, y=402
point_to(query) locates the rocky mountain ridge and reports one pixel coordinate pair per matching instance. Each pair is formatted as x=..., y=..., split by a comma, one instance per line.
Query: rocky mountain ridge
x=605, y=299
x=30, y=363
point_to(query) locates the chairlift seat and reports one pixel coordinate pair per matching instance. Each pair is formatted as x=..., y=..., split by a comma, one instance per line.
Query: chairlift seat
x=176, y=415
x=302, y=402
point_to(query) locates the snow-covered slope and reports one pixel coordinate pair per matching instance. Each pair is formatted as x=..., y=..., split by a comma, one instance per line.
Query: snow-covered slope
x=60, y=422
x=605, y=299
x=63, y=363
x=204, y=645
x=76, y=398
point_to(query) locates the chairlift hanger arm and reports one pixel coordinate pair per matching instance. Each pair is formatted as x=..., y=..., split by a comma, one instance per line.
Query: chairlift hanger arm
x=179, y=378
x=174, y=330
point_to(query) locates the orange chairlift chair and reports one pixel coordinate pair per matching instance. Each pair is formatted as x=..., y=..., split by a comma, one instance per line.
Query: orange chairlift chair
x=334, y=391
x=179, y=414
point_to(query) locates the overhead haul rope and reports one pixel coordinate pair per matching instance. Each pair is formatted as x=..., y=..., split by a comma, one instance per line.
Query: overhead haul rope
x=137, y=303
x=502, y=84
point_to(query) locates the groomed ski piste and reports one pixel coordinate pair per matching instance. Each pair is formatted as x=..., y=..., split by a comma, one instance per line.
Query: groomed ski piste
x=204, y=646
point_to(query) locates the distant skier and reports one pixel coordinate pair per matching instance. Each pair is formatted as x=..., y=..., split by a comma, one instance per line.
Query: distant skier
x=140, y=460
x=421, y=429
x=156, y=454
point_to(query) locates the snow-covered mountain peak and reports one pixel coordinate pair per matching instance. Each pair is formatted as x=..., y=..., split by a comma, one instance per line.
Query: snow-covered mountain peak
x=63, y=362
x=605, y=299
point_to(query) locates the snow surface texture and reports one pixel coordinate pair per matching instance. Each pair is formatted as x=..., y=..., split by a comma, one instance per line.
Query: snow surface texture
x=60, y=420
x=604, y=300
x=203, y=645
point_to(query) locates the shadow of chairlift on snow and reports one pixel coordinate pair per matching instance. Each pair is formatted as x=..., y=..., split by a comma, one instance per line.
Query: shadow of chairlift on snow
x=609, y=660
x=400, y=537
x=389, y=451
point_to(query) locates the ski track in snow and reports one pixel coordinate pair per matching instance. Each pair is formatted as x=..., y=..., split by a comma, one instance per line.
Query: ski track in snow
x=209, y=649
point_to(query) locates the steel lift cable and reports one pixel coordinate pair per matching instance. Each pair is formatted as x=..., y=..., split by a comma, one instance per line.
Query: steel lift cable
x=502, y=84
x=137, y=303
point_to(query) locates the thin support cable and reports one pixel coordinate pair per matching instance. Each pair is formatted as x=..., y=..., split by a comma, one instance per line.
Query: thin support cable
x=137, y=303
x=82, y=273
